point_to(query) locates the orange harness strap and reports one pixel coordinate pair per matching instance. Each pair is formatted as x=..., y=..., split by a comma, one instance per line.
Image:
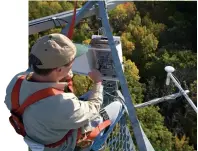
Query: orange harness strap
x=53, y=145
x=70, y=85
x=85, y=140
x=96, y=131
x=71, y=29
x=15, y=94
x=37, y=96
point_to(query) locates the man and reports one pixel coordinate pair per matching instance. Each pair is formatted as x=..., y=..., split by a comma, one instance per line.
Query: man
x=52, y=118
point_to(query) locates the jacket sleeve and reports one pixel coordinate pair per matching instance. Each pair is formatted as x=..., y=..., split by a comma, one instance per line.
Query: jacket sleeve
x=84, y=111
x=10, y=86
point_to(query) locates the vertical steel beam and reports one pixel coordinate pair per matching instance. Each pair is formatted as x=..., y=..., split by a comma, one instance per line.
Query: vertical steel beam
x=139, y=135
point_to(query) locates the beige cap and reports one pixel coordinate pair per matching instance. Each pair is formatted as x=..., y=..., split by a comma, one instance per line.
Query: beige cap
x=52, y=51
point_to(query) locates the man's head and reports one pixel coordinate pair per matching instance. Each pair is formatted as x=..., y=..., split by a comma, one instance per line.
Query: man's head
x=52, y=55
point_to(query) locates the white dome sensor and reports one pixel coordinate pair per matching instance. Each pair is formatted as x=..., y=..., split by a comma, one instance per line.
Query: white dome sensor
x=169, y=69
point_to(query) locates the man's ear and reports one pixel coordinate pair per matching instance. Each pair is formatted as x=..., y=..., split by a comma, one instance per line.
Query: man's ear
x=58, y=69
x=70, y=74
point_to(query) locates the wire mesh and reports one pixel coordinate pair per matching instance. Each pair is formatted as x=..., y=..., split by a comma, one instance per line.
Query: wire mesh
x=120, y=138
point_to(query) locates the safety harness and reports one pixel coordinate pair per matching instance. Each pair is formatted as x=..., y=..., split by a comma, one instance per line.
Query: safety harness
x=17, y=110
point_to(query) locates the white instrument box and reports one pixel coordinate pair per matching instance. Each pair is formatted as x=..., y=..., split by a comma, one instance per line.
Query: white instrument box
x=99, y=57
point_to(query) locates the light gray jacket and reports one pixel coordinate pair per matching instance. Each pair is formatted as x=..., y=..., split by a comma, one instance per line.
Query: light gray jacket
x=48, y=120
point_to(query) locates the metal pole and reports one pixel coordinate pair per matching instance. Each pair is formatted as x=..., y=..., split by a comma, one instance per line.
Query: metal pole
x=119, y=72
x=183, y=92
x=159, y=100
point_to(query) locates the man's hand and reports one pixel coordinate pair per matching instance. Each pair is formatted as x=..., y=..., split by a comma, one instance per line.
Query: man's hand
x=95, y=75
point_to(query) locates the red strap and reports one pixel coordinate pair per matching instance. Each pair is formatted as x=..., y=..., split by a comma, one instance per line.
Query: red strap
x=17, y=123
x=53, y=145
x=71, y=29
x=97, y=130
x=70, y=85
x=85, y=140
x=37, y=96
x=15, y=93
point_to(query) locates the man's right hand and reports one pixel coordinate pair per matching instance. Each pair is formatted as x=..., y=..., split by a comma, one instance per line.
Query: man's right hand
x=95, y=75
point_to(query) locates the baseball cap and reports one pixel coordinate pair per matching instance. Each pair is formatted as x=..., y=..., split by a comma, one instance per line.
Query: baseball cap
x=52, y=51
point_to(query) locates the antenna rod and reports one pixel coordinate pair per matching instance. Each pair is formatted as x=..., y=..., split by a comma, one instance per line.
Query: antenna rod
x=170, y=69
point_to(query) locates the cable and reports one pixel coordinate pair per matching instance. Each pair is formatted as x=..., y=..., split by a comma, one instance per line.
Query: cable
x=62, y=20
x=52, y=19
x=110, y=94
x=59, y=22
x=56, y=19
x=102, y=29
x=54, y=22
x=176, y=79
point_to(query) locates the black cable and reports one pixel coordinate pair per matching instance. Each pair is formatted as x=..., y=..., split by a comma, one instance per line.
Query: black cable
x=54, y=22
x=62, y=20
x=59, y=22
x=58, y=19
